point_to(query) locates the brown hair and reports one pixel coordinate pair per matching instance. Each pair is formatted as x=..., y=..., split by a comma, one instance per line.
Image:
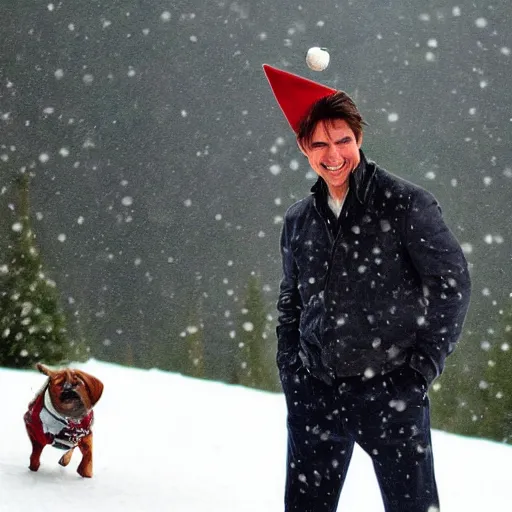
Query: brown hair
x=338, y=105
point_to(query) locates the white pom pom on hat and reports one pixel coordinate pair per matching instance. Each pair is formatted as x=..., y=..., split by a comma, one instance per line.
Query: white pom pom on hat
x=317, y=58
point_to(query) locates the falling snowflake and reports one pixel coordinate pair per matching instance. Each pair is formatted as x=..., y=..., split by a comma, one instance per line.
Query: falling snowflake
x=248, y=326
x=399, y=405
x=275, y=169
x=294, y=165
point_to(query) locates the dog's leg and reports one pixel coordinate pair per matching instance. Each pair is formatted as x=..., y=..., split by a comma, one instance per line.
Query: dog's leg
x=35, y=457
x=85, y=467
x=65, y=459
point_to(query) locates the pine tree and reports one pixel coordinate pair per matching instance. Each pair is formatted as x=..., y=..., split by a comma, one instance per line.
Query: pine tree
x=253, y=366
x=497, y=387
x=195, y=343
x=32, y=324
x=455, y=393
x=188, y=357
x=195, y=351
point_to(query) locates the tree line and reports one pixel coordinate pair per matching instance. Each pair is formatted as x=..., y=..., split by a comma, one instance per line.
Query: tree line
x=34, y=327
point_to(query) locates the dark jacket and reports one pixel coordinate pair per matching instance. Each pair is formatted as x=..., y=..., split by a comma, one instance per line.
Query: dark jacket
x=383, y=286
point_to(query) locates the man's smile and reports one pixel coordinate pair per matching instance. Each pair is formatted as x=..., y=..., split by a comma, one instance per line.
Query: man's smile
x=333, y=169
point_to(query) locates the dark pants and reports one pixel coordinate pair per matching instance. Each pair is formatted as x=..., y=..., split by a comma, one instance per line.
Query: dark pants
x=388, y=416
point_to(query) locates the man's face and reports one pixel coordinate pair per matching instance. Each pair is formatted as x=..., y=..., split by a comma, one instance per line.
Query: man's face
x=333, y=154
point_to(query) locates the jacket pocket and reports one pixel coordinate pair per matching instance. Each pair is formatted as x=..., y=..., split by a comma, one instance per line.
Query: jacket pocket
x=405, y=382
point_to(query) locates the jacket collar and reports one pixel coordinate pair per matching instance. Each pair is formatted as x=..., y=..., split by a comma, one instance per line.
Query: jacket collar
x=359, y=181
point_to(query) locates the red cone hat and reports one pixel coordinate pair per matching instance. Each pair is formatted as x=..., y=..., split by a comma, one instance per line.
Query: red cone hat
x=294, y=94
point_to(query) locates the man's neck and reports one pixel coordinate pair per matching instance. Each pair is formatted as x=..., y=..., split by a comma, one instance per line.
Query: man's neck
x=338, y=194
x=336, y=204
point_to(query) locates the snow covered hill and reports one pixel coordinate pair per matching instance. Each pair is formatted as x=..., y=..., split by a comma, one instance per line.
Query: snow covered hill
x=165, y=442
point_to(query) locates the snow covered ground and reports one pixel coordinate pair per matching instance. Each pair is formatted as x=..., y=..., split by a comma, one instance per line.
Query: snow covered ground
x=165, y=442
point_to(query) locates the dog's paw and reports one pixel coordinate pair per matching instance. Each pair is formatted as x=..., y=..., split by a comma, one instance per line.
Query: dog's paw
x=65, y=459
x=85, y=471
x=34, y=466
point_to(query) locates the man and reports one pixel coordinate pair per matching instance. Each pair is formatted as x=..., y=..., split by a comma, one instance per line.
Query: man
x=373, y=297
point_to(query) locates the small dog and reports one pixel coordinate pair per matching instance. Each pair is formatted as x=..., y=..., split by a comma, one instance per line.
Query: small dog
x=61, y=415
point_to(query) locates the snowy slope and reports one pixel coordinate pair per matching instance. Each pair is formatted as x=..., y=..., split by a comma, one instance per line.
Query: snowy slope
x=165, y=442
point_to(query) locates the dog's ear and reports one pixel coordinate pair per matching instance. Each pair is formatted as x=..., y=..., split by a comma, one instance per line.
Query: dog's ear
x=94, y=386
x=44, y=369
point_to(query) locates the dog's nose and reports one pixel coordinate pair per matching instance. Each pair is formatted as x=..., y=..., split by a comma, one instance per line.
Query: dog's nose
x=67, y=386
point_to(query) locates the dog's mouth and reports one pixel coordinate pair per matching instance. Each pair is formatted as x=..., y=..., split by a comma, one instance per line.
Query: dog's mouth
x=71, y=404
x=69, y=395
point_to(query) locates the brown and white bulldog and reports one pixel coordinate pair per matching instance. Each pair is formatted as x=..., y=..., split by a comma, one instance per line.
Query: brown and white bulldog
x=61, y=415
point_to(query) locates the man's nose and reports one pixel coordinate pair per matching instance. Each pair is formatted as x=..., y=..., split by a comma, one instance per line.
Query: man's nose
x=333, y=151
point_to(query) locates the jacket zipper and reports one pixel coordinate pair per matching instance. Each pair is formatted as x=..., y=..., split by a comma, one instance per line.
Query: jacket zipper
x=334, y=242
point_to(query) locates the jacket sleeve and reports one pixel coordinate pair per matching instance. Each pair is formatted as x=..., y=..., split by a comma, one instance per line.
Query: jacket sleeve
x=288, y=306
x=443, y=270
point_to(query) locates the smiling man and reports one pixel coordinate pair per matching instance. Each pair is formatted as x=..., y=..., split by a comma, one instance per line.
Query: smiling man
x=373, y=297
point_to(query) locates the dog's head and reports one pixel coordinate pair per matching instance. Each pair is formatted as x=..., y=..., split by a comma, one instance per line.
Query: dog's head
x=73, y=392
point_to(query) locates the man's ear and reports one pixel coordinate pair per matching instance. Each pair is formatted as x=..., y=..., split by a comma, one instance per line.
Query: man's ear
x=360, y=140
x=301, y=148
